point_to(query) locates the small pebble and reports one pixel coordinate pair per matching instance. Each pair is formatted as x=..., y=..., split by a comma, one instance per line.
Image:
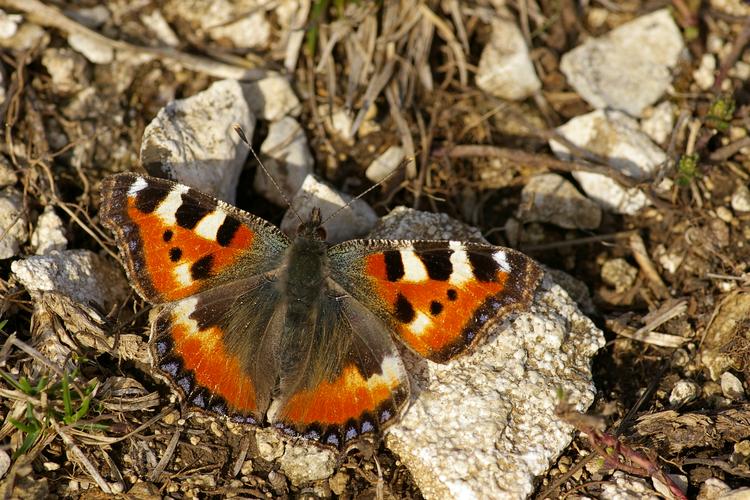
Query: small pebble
x=724, y=214
x=741, y=199
x=683, y=392
x=731, y=386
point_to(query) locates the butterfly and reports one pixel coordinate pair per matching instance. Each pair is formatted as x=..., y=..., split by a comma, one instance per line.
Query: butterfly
x=291, y=332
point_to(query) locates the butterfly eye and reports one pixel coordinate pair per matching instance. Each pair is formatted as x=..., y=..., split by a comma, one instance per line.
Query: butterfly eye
x=320, y=232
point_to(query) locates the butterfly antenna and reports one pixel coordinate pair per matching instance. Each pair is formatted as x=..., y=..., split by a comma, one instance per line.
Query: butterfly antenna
x=241, y=132
x=360, y=195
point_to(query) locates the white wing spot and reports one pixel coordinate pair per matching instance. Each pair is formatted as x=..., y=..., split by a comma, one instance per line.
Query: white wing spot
x=210, y=224
x=168, y=208
x=414, y=270
x=181, y=314
x=462, y=271
x=502, y=261
x=420, y=323
x=182, y=274
x=139, y=184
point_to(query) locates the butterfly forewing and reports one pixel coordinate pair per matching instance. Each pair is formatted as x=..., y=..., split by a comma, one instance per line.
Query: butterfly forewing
x=177, y=241
x=439, y=297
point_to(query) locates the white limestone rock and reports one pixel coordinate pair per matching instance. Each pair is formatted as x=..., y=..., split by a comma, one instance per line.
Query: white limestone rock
x=551, y=198
x=91, y=48
x=630, y=67
x=193, y=141
x=385, y=164
x=81, y=275
x=353, y=222
x=272, y=98
x=618, y=138
x=13, y=223
x=658, y=122
x=49, y=233
x=505, y=68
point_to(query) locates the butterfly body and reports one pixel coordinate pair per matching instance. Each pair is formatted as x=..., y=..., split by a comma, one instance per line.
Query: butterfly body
x=295, y=333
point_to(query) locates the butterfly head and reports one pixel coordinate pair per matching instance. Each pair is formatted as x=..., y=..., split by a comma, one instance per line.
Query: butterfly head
x=313, y=228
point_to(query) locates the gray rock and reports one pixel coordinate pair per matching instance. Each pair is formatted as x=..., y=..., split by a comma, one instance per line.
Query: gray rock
x=287, y=159
x=307, y=462
x=66, y=68
x=630, y=67
x=91, y=48
x=13, y=223
x=483, y=425
x=272, y=98
x=353, y=222
x=658, y=122
x=407, y=224
x=550, y=198
x=731, y=387
x=505, y=68
x=242, y=24
x=193, y=142
x=81, y=275
x=618, y=138
x=741, y=199
x=27, y=36
x=385, y=164
x=8, y=176
x=49, y=233
x=683, y=392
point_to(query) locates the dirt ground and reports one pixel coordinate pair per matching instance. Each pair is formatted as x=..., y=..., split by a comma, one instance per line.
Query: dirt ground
x=668, y=327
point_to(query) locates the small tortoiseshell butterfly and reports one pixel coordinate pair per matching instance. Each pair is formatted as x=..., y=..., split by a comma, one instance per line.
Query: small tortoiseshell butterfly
x=293, y=333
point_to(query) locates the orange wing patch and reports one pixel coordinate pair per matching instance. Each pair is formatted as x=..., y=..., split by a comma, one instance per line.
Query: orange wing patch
x=341, y=411
x=200, y=366
x=441, y=298
x=173, y=238
x=179, y=260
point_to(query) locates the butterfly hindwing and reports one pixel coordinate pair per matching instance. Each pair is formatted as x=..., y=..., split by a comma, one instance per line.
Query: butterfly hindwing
x=217, y=347
x=439, y=297
x=352, y=384
x=177, y=241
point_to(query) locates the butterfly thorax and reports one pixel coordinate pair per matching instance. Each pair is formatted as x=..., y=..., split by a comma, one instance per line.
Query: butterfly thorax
x=303, y=286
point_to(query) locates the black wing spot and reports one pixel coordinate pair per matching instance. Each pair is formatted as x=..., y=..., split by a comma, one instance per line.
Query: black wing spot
x=394, y=266
x=404, y=311
x=201, y=268
x=167, y=236
x=452, y=294
x=436, y=307
x=188, y=214
x=149, y=198
x=226, y=231
x=437, y=263
x=175, y=254
x=484, y=266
